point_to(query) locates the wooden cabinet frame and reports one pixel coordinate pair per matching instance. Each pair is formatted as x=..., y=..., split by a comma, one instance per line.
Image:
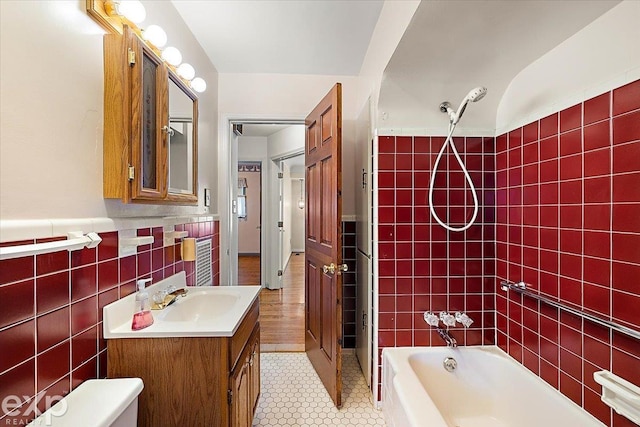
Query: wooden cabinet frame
x=123, y=177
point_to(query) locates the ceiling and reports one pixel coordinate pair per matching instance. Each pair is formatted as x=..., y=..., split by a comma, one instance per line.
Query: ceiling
x=453, y=46
x=328, y=37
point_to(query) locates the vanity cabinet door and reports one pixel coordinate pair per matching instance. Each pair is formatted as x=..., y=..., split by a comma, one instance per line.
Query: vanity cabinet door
x=240, y=385
x=254, y=371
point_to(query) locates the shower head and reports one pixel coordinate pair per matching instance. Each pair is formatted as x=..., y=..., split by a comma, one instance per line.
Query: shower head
x=474, y=95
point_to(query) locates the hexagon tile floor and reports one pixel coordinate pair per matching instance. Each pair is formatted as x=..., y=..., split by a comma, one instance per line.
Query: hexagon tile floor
x=293, y=395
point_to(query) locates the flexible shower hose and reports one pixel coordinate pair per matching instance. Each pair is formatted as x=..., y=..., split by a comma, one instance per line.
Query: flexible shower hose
x=449, y=141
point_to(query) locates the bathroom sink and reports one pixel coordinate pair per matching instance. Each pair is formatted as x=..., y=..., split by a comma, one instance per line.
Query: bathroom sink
x=207, y=311
x=199, y=306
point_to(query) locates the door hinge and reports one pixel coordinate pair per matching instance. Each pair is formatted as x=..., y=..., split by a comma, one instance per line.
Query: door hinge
x=280, y=175
x=132, y=57
x=132, y=173
x=280, y=273
x=229, y=397
x=280, y=224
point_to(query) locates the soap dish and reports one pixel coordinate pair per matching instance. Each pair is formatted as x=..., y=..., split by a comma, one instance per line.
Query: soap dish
x=620, y=394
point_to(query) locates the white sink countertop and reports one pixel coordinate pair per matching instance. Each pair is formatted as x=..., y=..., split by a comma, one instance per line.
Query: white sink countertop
x=206, y=311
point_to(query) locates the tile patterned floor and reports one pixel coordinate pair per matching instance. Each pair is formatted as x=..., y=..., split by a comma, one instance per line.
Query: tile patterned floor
x=293, y=395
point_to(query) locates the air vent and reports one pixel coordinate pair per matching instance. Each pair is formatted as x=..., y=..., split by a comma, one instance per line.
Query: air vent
x=203, y=263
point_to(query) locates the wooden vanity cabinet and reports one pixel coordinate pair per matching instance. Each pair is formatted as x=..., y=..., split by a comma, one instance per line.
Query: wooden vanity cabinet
x=193, y=381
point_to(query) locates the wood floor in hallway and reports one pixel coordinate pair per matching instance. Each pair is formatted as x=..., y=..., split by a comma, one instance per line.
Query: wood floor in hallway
x=249, y=270
x=282, y=311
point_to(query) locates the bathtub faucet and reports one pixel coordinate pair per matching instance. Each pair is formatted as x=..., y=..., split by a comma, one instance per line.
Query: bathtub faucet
x=432, y=319
x=448, y=339
x=463, y=319
x=447, y=319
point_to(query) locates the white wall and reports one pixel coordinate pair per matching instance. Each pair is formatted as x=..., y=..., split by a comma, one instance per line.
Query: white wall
x=603, y=55
x=394, y=19
x=288, y=140
x=252, y=148
x=297, y=214
x=51, y=119
x=249, y=230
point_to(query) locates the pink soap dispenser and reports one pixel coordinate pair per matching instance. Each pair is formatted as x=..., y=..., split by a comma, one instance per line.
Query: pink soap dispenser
x=142, y=317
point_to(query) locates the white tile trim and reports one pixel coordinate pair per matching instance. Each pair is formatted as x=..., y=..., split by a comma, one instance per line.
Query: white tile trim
x=18, y=229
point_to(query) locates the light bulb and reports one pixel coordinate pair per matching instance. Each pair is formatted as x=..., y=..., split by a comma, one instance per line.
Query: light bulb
x=186, y=71
x=172, y=56
x=301, y=204
x=198, y=84
x=133, y=10
x=155, y=35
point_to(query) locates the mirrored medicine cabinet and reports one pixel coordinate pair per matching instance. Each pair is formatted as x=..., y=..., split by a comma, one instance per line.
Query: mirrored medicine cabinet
x=151, y=126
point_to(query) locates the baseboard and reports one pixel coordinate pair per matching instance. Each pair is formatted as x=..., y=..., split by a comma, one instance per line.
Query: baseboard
x=249, y=254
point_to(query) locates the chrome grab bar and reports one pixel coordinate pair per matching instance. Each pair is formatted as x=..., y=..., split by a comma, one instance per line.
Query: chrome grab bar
x=521, y=288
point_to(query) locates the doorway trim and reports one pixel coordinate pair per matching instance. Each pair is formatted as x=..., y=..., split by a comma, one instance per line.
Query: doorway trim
x=227, y=183
x=277, y=210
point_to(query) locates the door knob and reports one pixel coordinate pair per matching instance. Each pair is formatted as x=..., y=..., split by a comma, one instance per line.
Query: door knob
x=332, y=268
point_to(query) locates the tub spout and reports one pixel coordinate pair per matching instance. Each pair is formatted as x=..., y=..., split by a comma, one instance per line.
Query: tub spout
x=448, y=339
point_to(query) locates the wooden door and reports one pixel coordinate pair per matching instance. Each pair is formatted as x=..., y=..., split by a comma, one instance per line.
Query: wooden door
x=323, y=241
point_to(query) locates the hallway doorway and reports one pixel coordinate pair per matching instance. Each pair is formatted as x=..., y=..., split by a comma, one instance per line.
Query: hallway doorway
x=282, y=310
x=249, y=222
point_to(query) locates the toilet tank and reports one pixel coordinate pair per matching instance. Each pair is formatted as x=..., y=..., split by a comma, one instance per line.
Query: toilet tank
x=96, y=403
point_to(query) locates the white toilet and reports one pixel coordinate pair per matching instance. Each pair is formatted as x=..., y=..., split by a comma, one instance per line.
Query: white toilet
x=96, y=403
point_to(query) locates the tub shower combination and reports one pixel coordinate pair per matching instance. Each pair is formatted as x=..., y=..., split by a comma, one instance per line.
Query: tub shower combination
x=482, y=386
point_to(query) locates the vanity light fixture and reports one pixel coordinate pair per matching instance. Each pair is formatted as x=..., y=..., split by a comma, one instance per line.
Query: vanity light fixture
x=301, y=201
x=172, y=56
x=198, y=84
x=133, y=10
x=186, y=71
x=113, y=15
x=155, y=35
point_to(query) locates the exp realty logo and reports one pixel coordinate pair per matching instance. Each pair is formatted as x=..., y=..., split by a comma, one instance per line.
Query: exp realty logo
x=19, y=414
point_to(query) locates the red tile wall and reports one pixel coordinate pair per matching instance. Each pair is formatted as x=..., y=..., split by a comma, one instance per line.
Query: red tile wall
x=422, y=266
x=51, y=318
x=568, y=224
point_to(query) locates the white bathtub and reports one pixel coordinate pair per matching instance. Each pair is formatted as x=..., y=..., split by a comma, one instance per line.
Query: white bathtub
x=487, y=389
